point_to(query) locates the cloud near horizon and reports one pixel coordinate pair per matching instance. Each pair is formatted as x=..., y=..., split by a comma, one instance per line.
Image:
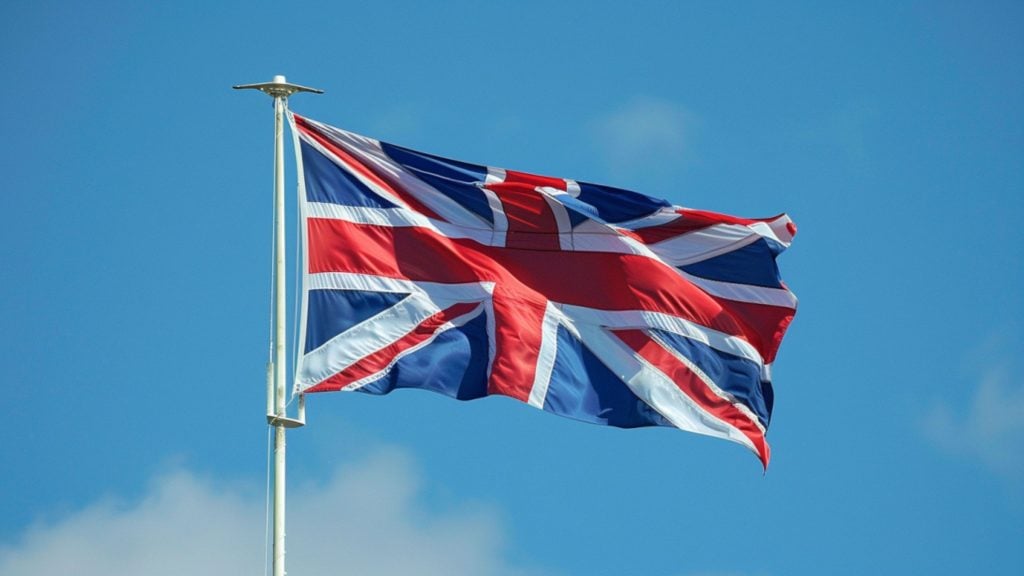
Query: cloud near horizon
x=991, y=428
x=365, y=520
x=644, y=134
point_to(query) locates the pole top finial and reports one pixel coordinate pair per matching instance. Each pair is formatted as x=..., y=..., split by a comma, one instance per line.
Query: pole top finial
x=278, y=88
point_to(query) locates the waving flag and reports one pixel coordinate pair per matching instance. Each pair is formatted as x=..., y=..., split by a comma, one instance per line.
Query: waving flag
x=582, y=300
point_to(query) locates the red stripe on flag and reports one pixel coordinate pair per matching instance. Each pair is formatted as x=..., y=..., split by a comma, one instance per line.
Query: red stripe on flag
x=531, y=222
x=695, y=388
x=599, y=280
x=534, y=180
x=380, y=360
x=405, y=253
x=517, y=345
x=764, y=324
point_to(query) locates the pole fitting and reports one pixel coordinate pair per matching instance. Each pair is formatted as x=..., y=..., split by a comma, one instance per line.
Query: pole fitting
x=278, y=88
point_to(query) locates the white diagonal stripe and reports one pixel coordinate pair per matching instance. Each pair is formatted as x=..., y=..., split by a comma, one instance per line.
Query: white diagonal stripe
x=744, y=292
x=642, y=319
x=699, y=373
x=453, y=323
x=370, y=151
x=363, y=339
x=656, y=389
x=705, y=243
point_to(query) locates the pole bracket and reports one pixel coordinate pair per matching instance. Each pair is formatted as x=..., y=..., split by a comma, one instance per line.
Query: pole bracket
x=274, y=420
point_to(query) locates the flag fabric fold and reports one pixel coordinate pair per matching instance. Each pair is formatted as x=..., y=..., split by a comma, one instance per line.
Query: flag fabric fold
x=587, y=301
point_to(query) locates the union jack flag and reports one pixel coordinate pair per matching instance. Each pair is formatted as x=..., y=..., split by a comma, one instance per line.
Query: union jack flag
x=587, y=301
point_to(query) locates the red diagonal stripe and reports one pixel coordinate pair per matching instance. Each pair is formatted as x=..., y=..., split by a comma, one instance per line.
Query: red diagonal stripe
x=695, y=388
x=381, y=359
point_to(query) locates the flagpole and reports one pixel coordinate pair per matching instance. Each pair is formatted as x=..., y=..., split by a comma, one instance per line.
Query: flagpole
x=280, y=90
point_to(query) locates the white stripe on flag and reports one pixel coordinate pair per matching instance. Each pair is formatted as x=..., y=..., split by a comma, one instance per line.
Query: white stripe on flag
x=363, y=339
x=370, y=151
x=744, y=292
x=705, y=243
x=453, y=323
x=640, y=319
x=656, y=389
x=546, y=356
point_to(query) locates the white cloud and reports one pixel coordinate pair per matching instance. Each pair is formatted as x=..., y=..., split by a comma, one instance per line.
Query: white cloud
x=644, y=134
x=992, y=428
x=365, y=520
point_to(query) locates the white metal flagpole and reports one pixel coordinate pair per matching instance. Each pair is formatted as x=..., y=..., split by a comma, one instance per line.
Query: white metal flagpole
x=280, y=90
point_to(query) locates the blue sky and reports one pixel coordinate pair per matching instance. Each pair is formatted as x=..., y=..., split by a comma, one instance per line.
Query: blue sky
x=135, y=261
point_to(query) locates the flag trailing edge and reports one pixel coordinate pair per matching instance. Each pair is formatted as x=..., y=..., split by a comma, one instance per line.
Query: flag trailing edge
x=590, y=302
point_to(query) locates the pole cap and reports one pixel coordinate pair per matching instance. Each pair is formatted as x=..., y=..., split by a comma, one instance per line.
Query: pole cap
x=278, y=88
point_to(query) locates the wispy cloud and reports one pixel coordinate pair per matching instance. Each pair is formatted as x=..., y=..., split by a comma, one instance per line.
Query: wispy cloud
x=989, y=429
x=399, y=123
x=644, y=134
x=365, y=520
